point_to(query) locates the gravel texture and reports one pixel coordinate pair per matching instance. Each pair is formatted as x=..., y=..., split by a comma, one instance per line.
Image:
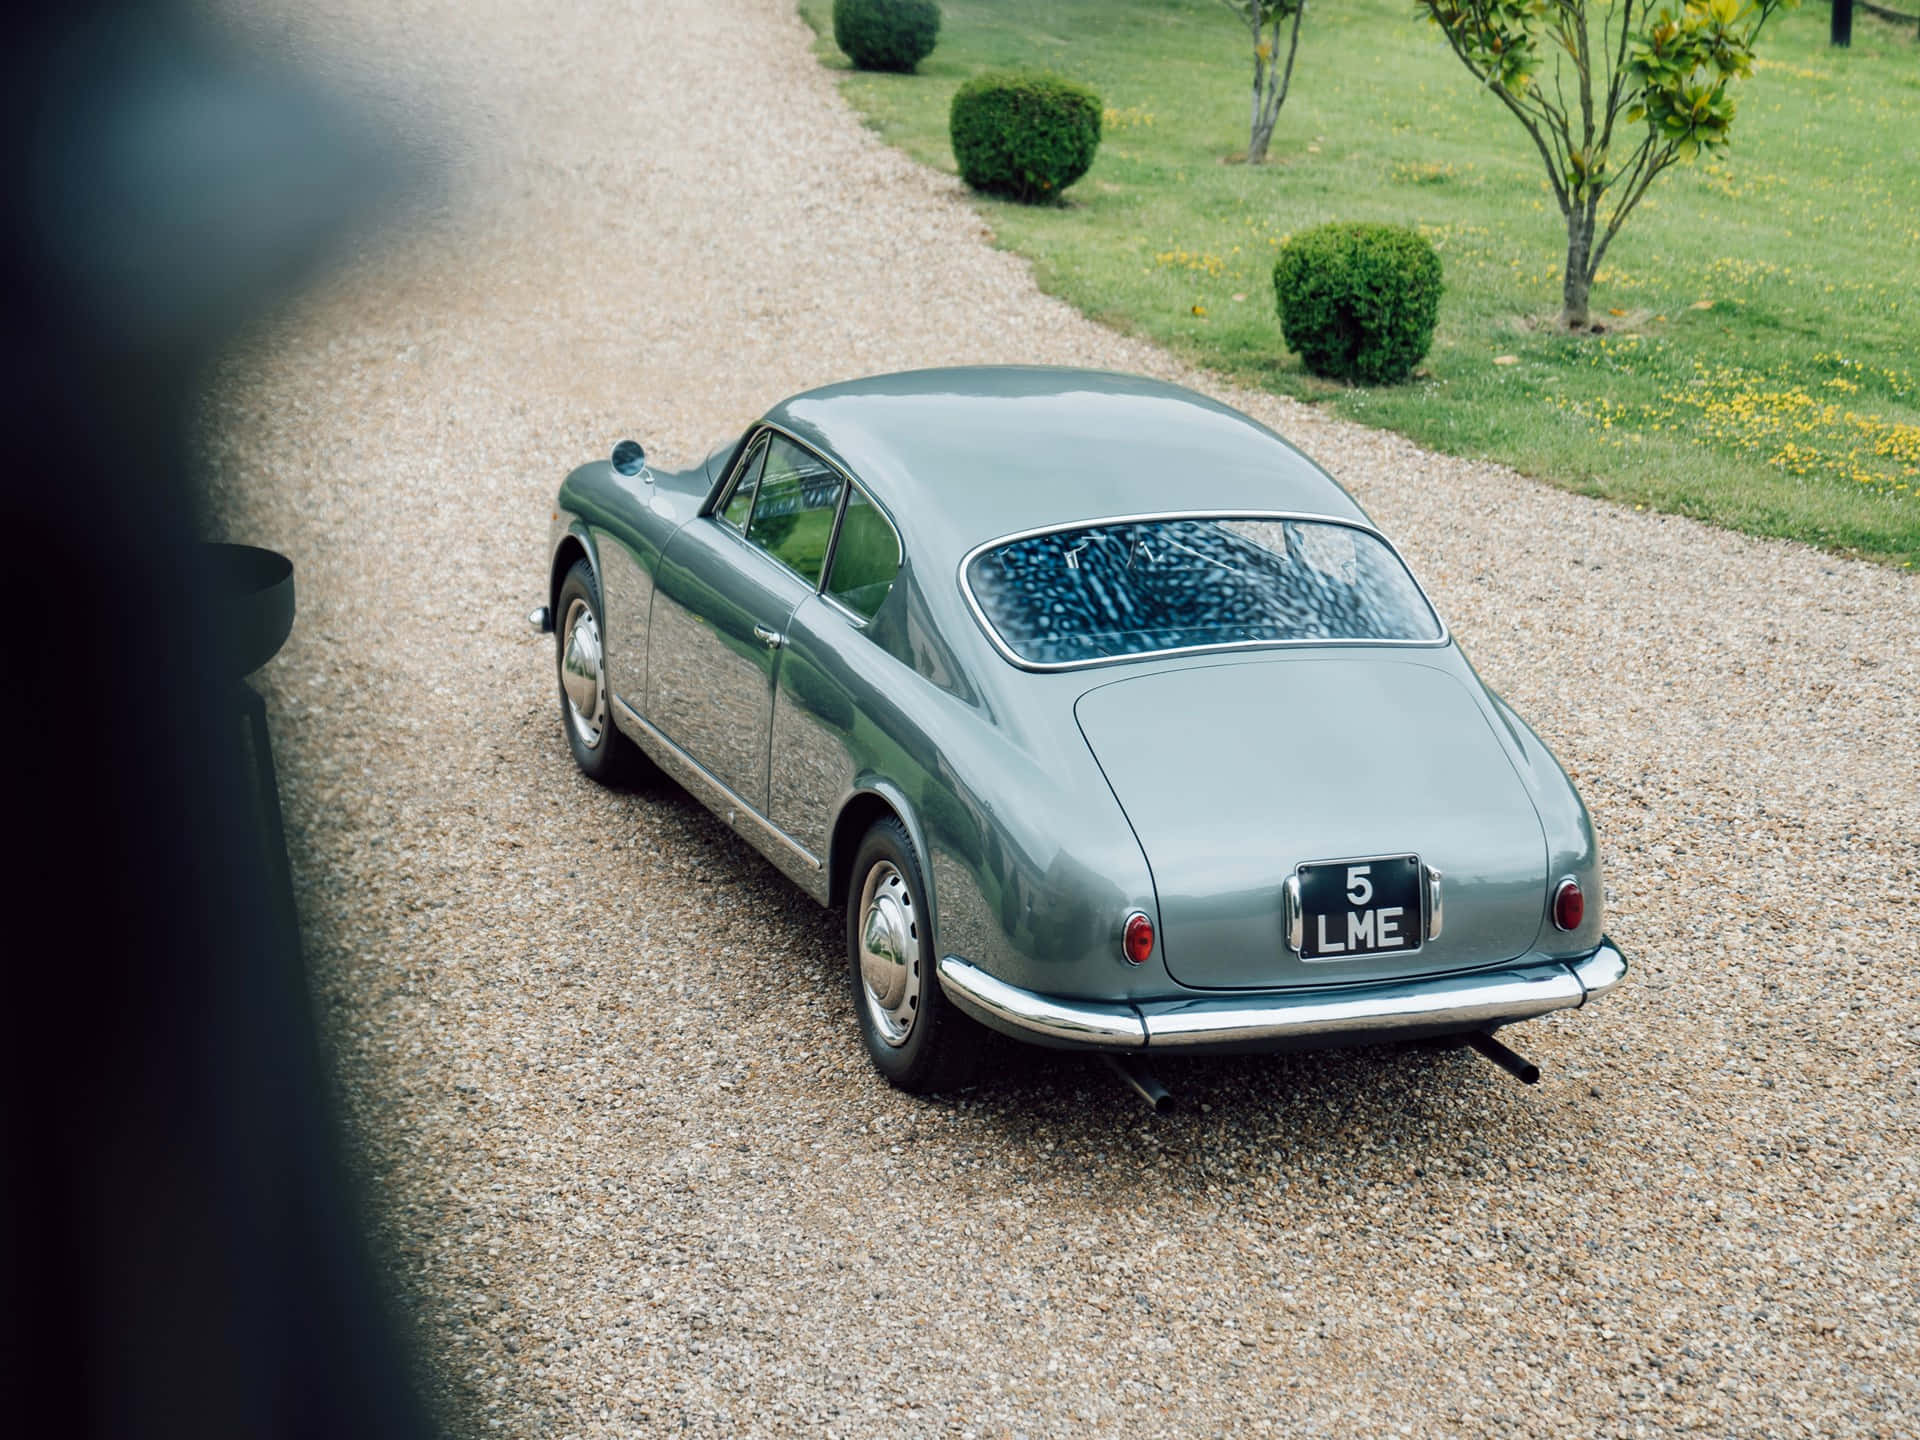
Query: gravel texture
x=598, y=1058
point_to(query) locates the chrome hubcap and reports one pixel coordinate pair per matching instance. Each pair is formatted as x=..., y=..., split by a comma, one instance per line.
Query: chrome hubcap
x=889, y=953
x=583, y=674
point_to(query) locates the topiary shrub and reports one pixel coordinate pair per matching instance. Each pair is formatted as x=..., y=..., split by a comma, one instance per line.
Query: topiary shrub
x=1358, y=302
x=1025, y=134
x=886, y=34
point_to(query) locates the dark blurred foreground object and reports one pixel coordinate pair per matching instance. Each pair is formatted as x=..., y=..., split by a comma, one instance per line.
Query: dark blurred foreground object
x=253, y=593
x=1841, y=30
x=183, y=1253
x=252, y=590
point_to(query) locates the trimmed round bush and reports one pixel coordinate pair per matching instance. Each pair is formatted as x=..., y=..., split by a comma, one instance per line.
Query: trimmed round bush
x=1025, y=134
x=1358, y=302
x=886, y=34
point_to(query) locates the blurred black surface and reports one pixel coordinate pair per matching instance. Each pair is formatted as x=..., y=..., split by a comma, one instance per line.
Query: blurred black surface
x=183, y=1253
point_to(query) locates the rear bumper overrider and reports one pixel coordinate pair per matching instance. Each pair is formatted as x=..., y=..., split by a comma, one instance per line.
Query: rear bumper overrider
x=1402, y=1009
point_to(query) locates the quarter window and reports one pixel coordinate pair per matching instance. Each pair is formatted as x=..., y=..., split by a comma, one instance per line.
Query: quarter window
x=866, y=558
x=740, y=502
x=793, y=517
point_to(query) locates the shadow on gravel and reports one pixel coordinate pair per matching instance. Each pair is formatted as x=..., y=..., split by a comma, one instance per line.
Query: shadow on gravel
x=1418, y=1121
x=1046, y=1116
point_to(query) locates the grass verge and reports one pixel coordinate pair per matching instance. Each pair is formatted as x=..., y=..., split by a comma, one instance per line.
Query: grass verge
x=1762, y=370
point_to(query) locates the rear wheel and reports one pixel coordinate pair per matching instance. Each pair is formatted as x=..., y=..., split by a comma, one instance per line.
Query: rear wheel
x=580, y=658
x=914, y=1035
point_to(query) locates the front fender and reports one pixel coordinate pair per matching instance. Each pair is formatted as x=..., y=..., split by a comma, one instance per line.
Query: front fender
x=623, y=524
x=568, y=535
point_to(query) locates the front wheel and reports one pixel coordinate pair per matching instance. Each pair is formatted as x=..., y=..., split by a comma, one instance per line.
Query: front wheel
x=585, y=701
x=914, y=1035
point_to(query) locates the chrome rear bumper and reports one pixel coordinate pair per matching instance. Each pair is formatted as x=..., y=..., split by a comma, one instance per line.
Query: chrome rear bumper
x=1276, y=1019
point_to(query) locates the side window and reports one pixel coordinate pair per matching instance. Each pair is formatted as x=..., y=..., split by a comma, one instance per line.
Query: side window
x=740, y=501
x=793, y=518
x=866, y=559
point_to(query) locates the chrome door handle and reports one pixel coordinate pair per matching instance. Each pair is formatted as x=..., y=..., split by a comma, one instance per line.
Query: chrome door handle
x=772, y=639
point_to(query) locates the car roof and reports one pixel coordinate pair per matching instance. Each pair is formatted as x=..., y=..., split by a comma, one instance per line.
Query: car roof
x=966, y=455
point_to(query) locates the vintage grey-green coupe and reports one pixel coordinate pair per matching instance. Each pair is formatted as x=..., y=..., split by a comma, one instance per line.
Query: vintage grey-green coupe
x=1110, y=718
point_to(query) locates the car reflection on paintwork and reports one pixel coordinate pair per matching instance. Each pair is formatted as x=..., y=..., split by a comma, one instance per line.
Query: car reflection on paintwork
x=1111, y=720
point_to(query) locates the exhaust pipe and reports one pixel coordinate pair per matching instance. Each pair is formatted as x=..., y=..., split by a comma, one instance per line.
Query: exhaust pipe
x=1142, y=1082
x=1518, y=1066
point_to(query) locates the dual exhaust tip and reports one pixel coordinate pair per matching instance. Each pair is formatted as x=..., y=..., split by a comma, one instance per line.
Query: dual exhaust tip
x=1144, y=1083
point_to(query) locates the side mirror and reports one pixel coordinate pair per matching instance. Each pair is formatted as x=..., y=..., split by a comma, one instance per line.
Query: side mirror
x=629, y=458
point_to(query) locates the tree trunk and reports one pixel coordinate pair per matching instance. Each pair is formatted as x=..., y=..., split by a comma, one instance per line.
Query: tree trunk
x=1575, y=284
x=1270, y=86
x=1261, y=138
x=1257, y=137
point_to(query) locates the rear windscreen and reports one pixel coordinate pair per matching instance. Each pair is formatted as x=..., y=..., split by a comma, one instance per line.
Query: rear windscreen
x=1145, y=586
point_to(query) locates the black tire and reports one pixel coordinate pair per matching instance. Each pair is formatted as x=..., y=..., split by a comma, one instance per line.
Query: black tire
x=599, y=749
x=914, y=1035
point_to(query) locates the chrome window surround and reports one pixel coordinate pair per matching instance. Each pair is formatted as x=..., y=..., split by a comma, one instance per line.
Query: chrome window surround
x=1008, y=654
x=718, y=510
x=833, y=550
x=764, y=429
x=852, y=617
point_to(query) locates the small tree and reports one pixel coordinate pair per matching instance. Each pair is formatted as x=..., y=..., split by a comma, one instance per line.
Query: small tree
x=1264, y=19
x=1649, y=87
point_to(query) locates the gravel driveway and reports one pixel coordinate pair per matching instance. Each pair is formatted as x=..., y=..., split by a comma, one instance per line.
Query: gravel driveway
x=598, y=1056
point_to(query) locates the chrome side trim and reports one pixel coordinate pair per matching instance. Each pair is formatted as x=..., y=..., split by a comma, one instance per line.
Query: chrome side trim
x=1435, y=914
x=1431, y=1005
x=1008, y=654
x=708, y=788
x=1602, y=970
x=1022, y=1010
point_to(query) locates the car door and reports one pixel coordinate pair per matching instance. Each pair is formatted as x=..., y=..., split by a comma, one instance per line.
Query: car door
x=728, y=584
x=824, y=668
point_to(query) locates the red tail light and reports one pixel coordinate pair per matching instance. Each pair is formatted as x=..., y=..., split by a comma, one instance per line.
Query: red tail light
x=1569, y=905
x=1137, y=938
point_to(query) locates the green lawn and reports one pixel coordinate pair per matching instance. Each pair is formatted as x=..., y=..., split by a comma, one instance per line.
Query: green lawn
x=1763, y=369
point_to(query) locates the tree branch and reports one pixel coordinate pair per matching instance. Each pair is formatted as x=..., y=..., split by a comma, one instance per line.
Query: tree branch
x=1554, y=171
x=1648, y=162
x=1617, y=73
x=1293, y=47
x=1246, y=11
x=1584, y=59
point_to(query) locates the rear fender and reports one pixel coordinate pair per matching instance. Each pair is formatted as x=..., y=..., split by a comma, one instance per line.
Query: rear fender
x=869, y=788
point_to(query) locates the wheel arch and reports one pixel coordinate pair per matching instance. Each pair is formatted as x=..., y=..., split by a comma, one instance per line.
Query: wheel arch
x=575, y=544
x=872, y=801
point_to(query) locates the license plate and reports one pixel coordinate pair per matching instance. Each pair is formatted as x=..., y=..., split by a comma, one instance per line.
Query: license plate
x=1351, y=908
